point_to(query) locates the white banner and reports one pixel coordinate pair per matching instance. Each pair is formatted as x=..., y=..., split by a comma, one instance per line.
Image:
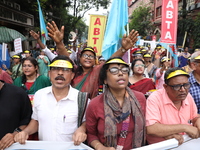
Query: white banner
x=4, y=48
x=172, y=144
x=18, y=45
x=47, y=145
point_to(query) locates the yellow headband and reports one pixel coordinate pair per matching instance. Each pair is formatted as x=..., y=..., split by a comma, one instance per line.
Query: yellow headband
x=15, y=56
x=88, y=49
x=27, y=52
x=147, y=55
x=165, y=59
x=198, y=57
x=177, y=73
x=117, y=61
x=69, y=51
x=143, y=50
x=61, y=63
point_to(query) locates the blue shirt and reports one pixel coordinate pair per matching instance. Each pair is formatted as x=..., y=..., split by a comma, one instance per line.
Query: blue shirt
x=195, y=90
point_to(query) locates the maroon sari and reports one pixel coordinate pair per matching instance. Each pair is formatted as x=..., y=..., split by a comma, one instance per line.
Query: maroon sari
x=143, y=85
x=90, y=83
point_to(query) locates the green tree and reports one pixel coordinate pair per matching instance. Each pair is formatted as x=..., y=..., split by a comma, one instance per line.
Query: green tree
x=141, y=20
x=196, y=32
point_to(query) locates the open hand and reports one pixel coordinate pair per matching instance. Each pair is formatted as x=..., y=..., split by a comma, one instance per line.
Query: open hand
x=56, y=34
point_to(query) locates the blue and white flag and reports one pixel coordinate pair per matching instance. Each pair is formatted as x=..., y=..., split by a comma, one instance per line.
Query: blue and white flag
x=43, y=29
x=115, y=28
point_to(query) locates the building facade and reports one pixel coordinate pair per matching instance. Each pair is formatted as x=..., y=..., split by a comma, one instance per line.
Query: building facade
x=12, y=17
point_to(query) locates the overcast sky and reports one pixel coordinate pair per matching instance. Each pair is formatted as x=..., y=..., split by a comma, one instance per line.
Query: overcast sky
x=101, y=11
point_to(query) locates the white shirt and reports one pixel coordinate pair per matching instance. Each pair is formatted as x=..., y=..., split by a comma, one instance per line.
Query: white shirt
x=49, y=54
x=57, y=120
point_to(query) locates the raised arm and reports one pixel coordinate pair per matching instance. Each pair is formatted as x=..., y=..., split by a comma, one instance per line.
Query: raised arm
x=48, y=52
x=57, y=35
x=127, y=43
x=36, y=36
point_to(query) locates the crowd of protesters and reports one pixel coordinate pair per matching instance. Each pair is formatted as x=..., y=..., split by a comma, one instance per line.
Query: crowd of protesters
x=78, y=96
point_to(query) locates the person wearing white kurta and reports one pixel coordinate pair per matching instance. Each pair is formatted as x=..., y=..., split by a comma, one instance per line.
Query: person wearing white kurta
x=55, y=108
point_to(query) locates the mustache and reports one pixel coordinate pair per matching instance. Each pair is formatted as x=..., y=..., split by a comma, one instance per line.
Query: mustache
x=60, y=78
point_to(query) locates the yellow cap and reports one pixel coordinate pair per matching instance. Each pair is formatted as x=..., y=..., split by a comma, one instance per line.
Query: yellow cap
x=177, y=73
x=61, y=63
x=147, y=55
x=165, y=59
x=27, y=52
x=138, y=52
x=143, y=50
x=198, y=57
x=88, y=49
x=117, y=61
x=69, y=51
x=15, y=56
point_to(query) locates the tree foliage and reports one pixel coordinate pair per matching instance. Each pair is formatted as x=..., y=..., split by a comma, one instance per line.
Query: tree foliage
x=141, y=20
x=196, y=32
x=64, y=12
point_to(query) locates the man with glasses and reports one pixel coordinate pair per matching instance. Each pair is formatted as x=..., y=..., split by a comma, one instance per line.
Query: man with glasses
x=171, y=111
x=194, y=78
x=58, y=113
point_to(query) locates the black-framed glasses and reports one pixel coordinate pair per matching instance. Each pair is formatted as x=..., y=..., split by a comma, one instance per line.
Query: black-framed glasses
x=61, y=68
x=88, y=56
x=179, y=86
x=115, y=70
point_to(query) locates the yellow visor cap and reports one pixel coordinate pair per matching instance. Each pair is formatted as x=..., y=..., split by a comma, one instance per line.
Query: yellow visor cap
x=147, y=55
x=27, y=52
x=198, y=57
x=177, y=73
x=15, y=56
x=117, y=61
x=61, y=63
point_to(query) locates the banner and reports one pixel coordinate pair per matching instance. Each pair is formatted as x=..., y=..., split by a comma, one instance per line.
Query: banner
x=4, y=49
x=169, y=21
x=96, y=32
x=48, y=145
x=18, y=45
x=172, y=144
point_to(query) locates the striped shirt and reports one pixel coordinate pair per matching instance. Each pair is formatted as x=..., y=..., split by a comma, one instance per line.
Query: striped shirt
x=195, y=90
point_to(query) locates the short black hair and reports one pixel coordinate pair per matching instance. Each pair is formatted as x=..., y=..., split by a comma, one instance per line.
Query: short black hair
x=170, y=70
x=63, y=57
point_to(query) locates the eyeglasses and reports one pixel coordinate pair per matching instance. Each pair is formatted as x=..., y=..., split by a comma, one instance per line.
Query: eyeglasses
x=179, y=86
x=115, y=70
x=88, y=56
x=60, y=68
x=29, y=66
x=139, y=65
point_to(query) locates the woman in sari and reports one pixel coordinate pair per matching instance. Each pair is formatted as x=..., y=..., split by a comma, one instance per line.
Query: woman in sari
x=31, y=81
x=137, y=81
x=115, y=119
x=87, y=74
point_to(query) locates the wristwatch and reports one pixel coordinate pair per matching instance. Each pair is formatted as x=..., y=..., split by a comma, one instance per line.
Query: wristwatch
x=18, y=130
x=123, y=50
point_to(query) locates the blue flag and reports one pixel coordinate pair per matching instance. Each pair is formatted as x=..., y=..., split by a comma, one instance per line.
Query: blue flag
x=115, y=28
x=43, y=29
x=172, y=51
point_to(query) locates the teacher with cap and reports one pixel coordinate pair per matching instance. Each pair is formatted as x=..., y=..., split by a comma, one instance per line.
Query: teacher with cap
x=171, y=111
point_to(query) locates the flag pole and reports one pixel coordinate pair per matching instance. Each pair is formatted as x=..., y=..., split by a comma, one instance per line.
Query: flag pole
x=184, y=39
x=129, y=49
